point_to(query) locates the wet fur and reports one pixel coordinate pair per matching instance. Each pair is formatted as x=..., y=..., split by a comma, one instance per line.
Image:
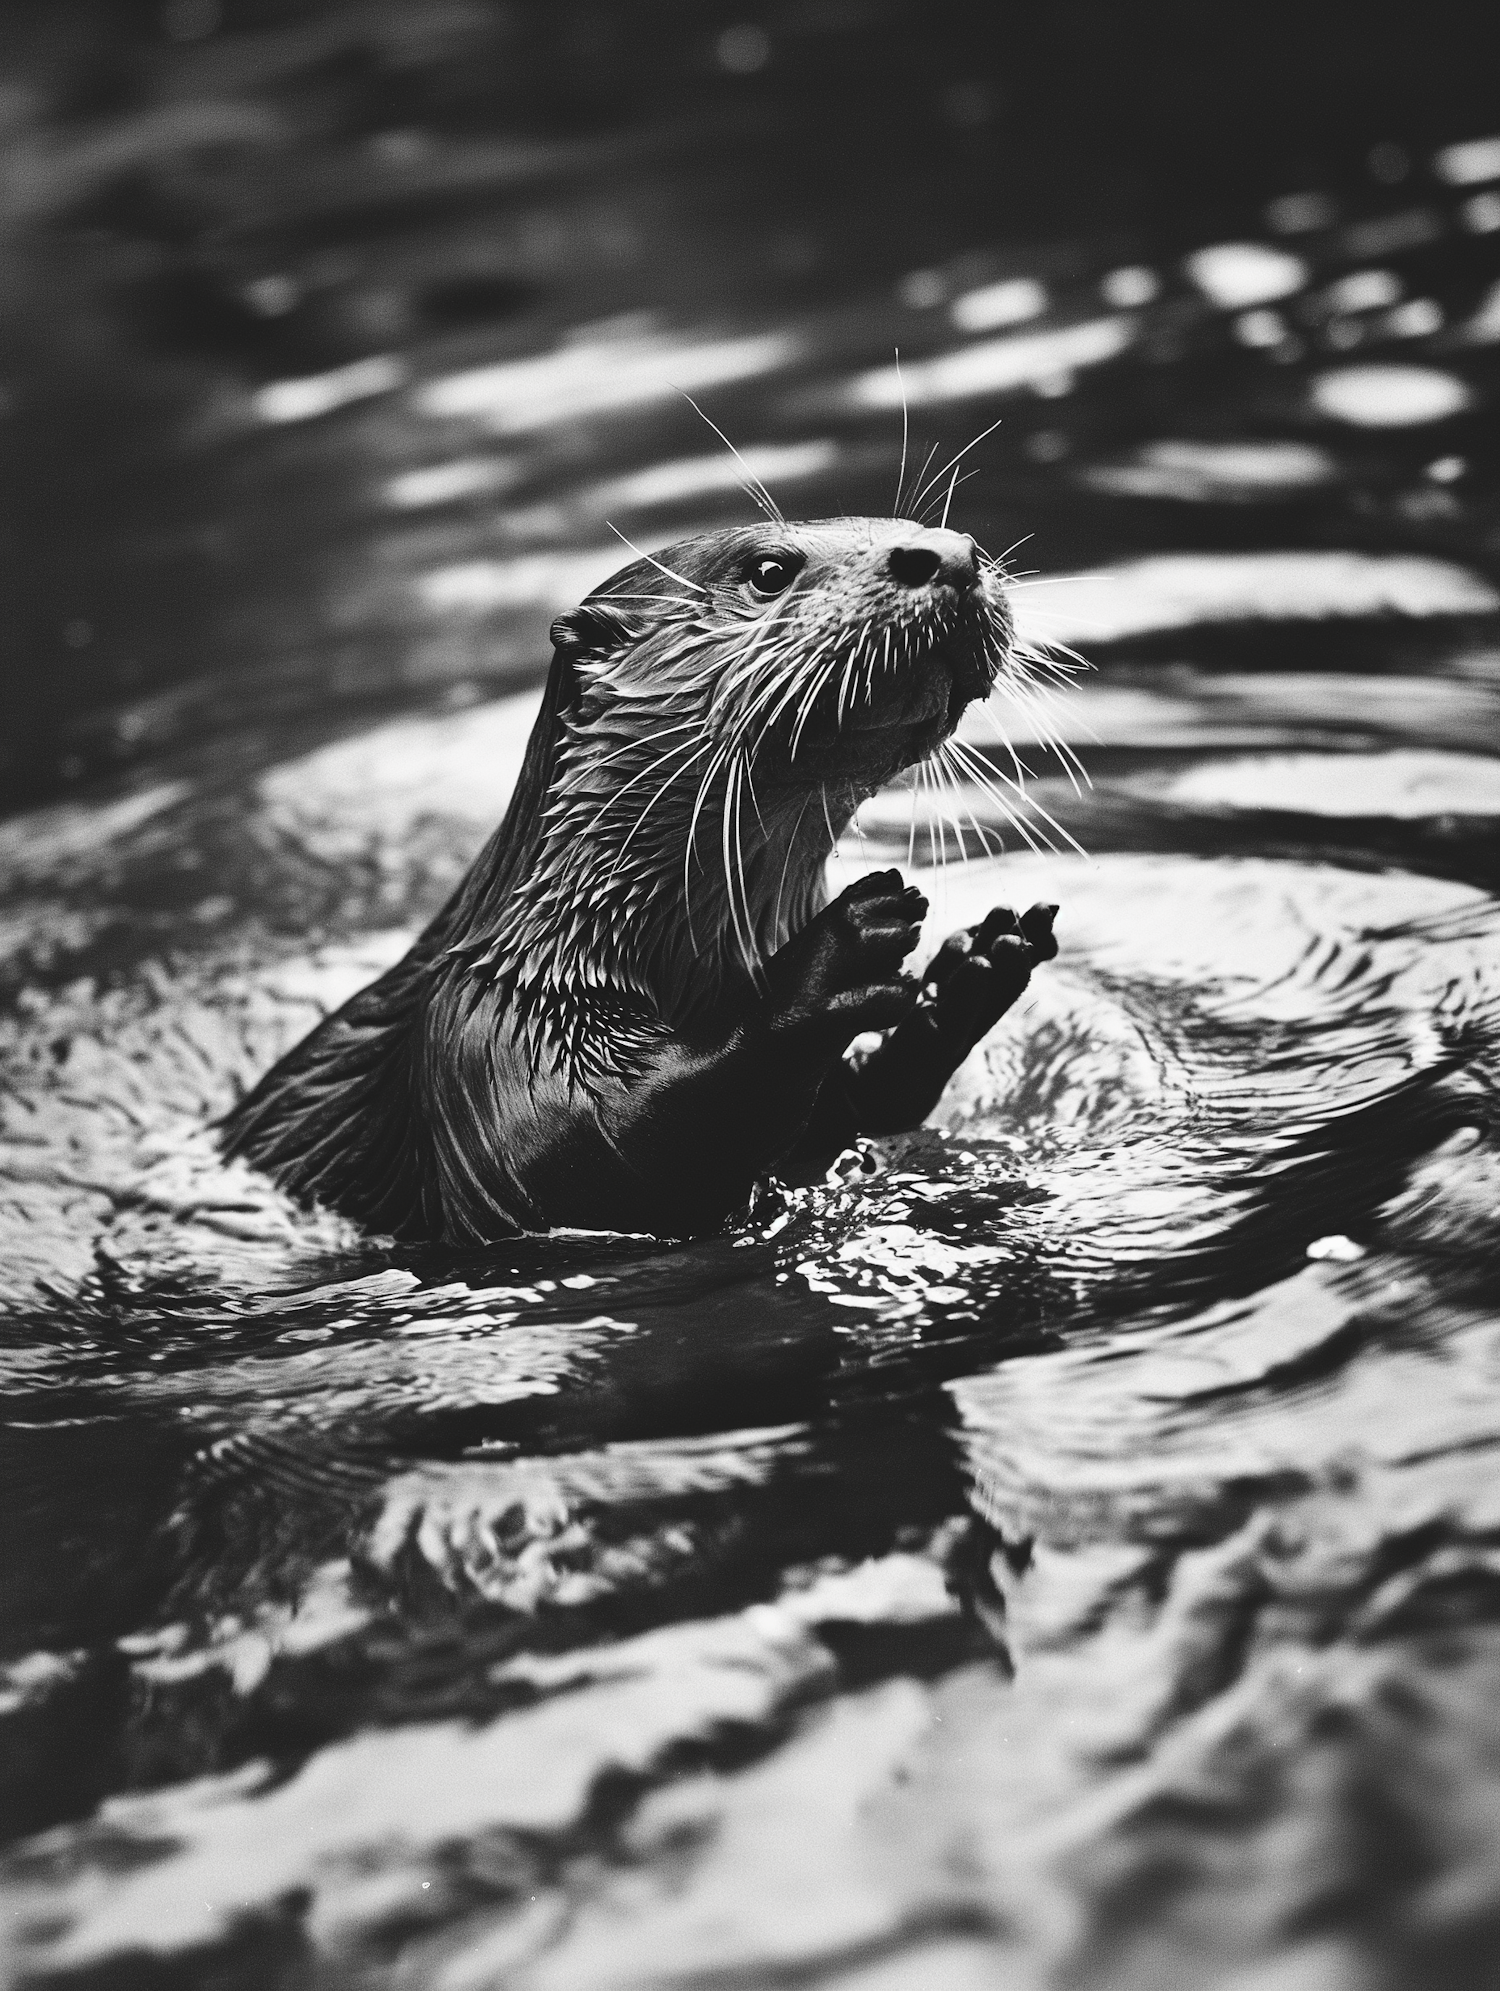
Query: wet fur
x=559, y=1031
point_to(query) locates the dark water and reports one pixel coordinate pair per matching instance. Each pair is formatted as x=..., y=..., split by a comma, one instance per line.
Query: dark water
x=1063, y=1548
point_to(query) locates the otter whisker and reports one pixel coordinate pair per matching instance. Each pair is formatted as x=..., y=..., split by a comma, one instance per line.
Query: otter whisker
x=1038, y=703
x=983, y=435
x=923, y=773
x=791, y=847
x=633, y=746
x=734, y=911
x=827, y=819
x=959, y=770
x=722, y=757
x=873, y=662
x=813, y=692
x=951, y=786
x=675, y=775
x=695, y=587
x=931, y=505
x=948, y=501
x=919, y=792
x=751, y=485
x=859, y=834
x=1056, y=746
x=1061, y=673
x=751, y=952
x=939, y=820
x=962, y=756
x=996, y=561
x=718, y=761
x=754, y=798
x=952, y=801
x=1051, y=659
x=741, y=699
x=944, y=821
x=768, y=690
x=734, y=870
x=757, y=938
x=740, y=666
x=979, y=771
x=1023, y=772
x=846, y=682
x=612, y=800
x=1055, y=661
x=905, y=430
x=649, y=594
x=926, y=466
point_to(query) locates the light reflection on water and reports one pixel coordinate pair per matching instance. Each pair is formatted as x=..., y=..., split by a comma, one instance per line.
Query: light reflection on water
x=1059, y=1523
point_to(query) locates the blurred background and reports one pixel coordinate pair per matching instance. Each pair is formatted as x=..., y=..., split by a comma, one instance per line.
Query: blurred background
x=336, y=341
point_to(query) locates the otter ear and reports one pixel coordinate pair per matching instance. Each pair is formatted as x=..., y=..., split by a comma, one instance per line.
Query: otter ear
x=591, y=628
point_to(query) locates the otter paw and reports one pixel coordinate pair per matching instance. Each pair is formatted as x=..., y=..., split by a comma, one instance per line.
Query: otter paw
x=844, y=968
x=980, y=971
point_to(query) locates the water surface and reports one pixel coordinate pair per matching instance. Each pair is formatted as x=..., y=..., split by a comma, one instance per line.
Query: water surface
x=1064, y=1546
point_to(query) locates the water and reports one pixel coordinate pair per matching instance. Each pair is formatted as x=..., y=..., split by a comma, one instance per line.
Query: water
x=1063, y=1546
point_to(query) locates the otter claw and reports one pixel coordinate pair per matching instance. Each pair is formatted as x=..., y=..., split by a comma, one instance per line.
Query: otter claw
x=1036, y=925
x=980, y=971
x=843, y=969
x=997, y=921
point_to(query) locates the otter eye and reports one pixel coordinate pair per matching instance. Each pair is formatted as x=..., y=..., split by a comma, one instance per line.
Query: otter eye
x=773, y=574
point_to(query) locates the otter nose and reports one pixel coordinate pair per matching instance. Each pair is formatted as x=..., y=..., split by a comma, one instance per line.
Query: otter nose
x=931, y=557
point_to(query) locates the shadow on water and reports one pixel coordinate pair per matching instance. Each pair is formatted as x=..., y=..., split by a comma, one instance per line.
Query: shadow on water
x=1062, y=1545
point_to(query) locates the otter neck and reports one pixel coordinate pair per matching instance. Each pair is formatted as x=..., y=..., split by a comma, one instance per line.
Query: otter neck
x=661, y=881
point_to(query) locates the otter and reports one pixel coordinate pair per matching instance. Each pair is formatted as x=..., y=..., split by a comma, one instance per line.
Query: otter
x=638, y=1003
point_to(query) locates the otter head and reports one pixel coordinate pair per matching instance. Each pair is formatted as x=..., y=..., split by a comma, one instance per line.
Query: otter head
x=716, y=714
x=833, y=653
